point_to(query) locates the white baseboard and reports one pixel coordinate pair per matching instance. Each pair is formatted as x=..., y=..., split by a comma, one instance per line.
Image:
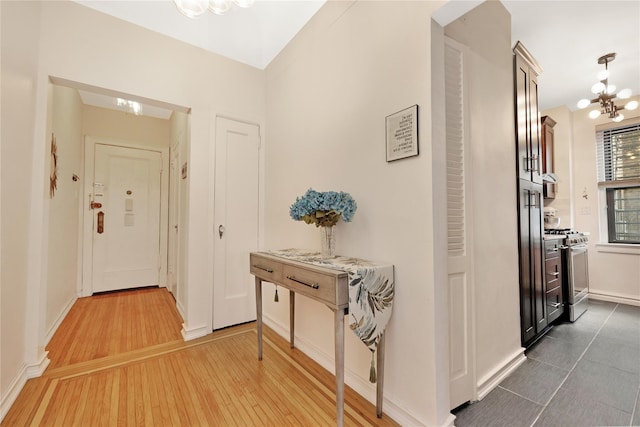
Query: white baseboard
x=506, y=367
x=193, y=333
x=361, y=385
x=52, y=330
x=617, y=298
x=34, y=370
x=449, y=422
x=12, y=393
x=27, y=372
x=180, y=310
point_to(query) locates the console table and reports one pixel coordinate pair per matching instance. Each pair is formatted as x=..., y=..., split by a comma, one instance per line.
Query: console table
x=347, y=286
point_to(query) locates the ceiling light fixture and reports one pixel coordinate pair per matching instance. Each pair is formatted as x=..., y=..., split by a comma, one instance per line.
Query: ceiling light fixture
x=606, y=94
x=127, y=106
x=196, y=8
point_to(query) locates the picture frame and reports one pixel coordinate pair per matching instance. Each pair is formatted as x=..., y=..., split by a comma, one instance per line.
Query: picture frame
x=402, y=134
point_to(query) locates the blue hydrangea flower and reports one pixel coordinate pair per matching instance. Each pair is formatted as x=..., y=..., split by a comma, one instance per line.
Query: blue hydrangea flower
x=323, y=209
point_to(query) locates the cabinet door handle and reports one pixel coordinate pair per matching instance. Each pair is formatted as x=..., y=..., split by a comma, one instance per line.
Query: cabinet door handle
x=534, y=195
x=302, y=282
x=555, y=304
x=268, y=270
x=554, y=274
x=534, y=162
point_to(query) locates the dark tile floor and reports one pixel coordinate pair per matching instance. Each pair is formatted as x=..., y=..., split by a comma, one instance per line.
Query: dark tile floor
x=580, y=374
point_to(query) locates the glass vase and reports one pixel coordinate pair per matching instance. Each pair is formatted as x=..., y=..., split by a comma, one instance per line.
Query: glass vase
x=327, y=241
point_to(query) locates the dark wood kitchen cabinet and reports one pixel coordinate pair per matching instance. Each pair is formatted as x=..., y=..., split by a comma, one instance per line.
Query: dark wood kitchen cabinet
x=553, y=279
x=529, y=149
x=533, y=308
x=547, y=141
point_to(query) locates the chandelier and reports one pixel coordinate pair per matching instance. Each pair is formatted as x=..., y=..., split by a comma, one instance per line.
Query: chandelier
x=606, y=93
x=195, y=8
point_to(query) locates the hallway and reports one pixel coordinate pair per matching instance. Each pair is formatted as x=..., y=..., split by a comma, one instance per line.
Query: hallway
x=133, y=368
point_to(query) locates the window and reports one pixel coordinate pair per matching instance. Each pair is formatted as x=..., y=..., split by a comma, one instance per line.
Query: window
x=619, y=175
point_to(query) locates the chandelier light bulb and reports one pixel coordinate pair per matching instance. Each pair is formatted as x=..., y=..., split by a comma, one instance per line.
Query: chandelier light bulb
x=195, y=8
x=219, y=7
x=597, y=88
x=606, y=94
x=244, y=3
x=631, y=105
x=624, y=93
x=192, y=8
x=583, y=103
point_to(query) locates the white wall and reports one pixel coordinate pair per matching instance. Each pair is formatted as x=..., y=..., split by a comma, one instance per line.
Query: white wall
x=328, y=94
x=63, y=259
x=612, y=274
x=118, y=125
x=563, y=164
x=20, y=35
x=486, y=31
x=74, y=43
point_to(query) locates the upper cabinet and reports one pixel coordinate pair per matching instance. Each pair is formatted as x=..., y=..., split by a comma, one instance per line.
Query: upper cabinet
x=549, y=188
x=529, y=158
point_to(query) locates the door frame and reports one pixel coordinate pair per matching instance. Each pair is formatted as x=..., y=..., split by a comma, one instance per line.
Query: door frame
x=87, y=215
x=173, y=245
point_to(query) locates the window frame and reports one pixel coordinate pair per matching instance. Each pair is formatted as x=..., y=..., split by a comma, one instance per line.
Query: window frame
x=611, y=220
x=607, y=187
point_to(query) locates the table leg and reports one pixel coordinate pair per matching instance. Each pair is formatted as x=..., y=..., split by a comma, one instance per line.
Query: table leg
x=292, y=317
x=259, y=315
x=380, y=369
x=339, y=347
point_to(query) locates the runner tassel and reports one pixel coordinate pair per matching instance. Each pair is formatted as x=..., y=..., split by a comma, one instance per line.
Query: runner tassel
x=372, y=372
x=276, y=297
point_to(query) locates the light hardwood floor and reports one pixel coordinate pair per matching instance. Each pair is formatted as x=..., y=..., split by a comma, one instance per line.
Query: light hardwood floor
x=119, y=360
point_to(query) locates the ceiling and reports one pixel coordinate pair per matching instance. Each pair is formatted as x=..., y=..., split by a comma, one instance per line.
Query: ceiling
x=566, y=37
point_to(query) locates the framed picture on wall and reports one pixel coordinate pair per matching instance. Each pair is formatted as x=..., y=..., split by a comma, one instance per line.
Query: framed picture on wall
x=402, y=134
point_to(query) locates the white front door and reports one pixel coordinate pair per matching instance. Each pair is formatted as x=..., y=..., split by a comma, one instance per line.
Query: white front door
x=126, y=215
x=237, y=157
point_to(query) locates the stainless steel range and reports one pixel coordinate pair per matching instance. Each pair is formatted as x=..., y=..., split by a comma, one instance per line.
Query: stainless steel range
x=576, y=273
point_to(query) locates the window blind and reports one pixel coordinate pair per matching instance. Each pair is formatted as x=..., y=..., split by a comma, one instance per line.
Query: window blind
x=618, y=156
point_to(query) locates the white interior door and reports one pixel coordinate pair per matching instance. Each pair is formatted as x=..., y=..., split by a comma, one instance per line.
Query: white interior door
x=126, y=214
x=459, y=250
x=236, y=221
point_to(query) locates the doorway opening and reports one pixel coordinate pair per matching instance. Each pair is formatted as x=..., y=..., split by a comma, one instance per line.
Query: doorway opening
x=113, y=206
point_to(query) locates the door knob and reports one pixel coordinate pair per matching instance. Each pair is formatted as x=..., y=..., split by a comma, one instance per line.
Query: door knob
x=221, y=230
